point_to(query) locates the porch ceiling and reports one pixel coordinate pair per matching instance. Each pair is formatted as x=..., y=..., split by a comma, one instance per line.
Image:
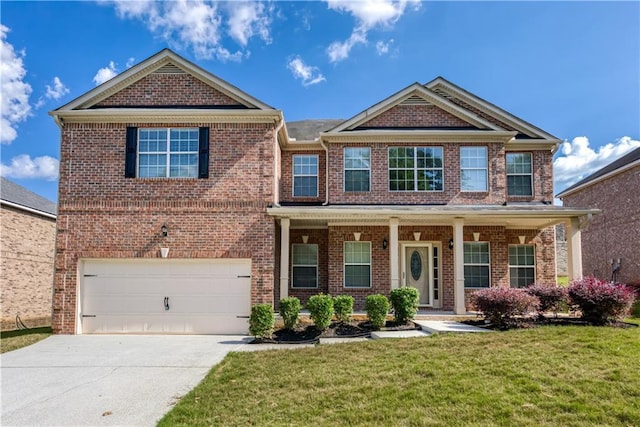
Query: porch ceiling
x=510, y=216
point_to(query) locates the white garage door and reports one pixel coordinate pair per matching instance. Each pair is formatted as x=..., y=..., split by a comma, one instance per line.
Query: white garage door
x=165, y=296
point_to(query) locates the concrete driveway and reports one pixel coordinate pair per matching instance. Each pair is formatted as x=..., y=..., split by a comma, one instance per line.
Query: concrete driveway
x=105, y=380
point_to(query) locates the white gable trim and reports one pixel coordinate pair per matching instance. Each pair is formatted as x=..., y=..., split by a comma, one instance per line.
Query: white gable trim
x=498, y=113
x=150, y=65
x=412, y=90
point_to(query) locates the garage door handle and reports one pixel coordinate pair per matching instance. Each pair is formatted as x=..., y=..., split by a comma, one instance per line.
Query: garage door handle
x=166, y=303
x=88, y=315
x=244, y=277
x=242, y=317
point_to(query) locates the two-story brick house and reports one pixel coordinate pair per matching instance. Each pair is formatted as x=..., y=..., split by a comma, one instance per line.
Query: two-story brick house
x=184, y=200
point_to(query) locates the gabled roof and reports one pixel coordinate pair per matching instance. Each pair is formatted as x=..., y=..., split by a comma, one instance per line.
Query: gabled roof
x=504, y=119
x=625, y=162
x=412, y=91
x=14, y=195
x=166, y=59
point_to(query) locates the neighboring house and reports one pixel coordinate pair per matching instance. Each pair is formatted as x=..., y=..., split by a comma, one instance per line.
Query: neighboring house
x=184, y=200
x=27, y=246
x=611, y=242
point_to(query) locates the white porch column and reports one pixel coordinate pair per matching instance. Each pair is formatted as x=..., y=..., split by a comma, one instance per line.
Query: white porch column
x=393, y=252
x=284, y=257
x=458, y=266
x=574, y=249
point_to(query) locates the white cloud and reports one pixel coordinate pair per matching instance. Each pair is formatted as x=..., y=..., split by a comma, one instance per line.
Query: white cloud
x=199, y=24
x=54, y=91
x=369, y=14
x=14, y=92
x=308, y=74
x=130, y=62
x=577, y=159
x=382, y=48
x=23, y=166
x=106, y=73
x=248, y=19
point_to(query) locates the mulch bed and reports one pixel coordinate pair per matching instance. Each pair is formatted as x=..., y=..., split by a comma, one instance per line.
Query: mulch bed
x=304, y=334
x=534, y=322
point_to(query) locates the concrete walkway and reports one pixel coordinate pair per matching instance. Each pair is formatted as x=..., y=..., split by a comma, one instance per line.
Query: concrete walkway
x=439, y=326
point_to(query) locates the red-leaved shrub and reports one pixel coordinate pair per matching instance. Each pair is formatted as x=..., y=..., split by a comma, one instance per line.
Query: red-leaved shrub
x=551, y=297
x=601, y=301
x=501, y=305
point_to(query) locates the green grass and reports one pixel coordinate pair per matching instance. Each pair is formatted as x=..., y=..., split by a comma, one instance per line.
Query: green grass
x=562, y=280
x=549, y=376
x=13, y=340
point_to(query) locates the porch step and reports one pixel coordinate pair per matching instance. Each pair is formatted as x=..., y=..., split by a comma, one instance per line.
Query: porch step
x=399, y=334
x=439, y=326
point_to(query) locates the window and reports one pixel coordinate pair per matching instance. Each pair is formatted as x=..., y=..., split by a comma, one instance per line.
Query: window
x=167, y=153
x=522, y=271
x=473, y=169
x=304, y=266
x=305, y=176
x=415, y=169
x=476, y=265
x=519, y=174
x=357, y=168
x=357, y=264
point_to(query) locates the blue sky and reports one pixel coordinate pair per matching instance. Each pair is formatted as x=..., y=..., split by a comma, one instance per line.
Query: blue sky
x=570, y=68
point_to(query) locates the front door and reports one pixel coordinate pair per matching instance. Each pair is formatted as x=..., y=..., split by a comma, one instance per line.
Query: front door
x=416, y=271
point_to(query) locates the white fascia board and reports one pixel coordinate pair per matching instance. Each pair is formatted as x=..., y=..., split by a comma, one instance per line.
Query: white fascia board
x=27, y=209
x=599, y=179
x=302, y=145
x=392, y=135
x=167, y=115
x=532, y=144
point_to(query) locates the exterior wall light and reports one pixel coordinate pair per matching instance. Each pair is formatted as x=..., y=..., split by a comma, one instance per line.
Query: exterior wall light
x=385, y=243
x=165, y=231
x=451, y=244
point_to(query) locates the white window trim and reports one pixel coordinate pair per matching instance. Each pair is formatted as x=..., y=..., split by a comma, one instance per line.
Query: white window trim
x=293, y=173
x=344, y=269
x=344, y=175
x=530, y=174
x=303, y=265
x=479, y=264
x=415, y=170
x=523, y=266
x=485, y=169
x=167, y=152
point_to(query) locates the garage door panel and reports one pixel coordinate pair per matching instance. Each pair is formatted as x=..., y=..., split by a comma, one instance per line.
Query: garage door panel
x=128, y=296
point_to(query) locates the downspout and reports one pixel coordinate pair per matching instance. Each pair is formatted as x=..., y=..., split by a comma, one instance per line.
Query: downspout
x=276, y=164
x=326, y=173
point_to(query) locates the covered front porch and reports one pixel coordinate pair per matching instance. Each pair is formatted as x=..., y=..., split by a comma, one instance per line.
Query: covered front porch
x=363, y=250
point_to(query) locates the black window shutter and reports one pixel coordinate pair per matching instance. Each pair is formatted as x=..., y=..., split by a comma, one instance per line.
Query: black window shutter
x=130, y=156
x=203, y=153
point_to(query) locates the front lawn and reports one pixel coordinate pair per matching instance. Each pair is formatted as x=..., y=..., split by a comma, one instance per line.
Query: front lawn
x=545, y=376
x=13, y=340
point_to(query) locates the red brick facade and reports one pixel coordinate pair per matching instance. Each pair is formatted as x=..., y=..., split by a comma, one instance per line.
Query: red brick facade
x=615, y=232
x=415, y=116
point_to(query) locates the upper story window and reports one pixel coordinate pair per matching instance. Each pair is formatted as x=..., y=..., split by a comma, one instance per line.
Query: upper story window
x=415, y=169
x=357, y=169
x=167, y=153
x=519, y=174
x=477, y=265
x=305, y=176
x=473, y=169
x=522, y=265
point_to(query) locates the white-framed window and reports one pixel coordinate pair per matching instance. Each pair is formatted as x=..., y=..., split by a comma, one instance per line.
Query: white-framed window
x=522, y=265
x=416, y=169
x=473, y=169
x=304, y=265
x=357, y=264
x=305, y=175
x=519, y=174
x=477, y=265
x=357, y=169
x=168, y=153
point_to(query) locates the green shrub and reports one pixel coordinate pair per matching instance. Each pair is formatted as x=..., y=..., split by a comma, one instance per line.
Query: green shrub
x=601, y=301
x=405, y=303
x=321, y=310
x=261, y=321
x=377, y=307
x=289, y=310
x=343, y=306
x=501, y=305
